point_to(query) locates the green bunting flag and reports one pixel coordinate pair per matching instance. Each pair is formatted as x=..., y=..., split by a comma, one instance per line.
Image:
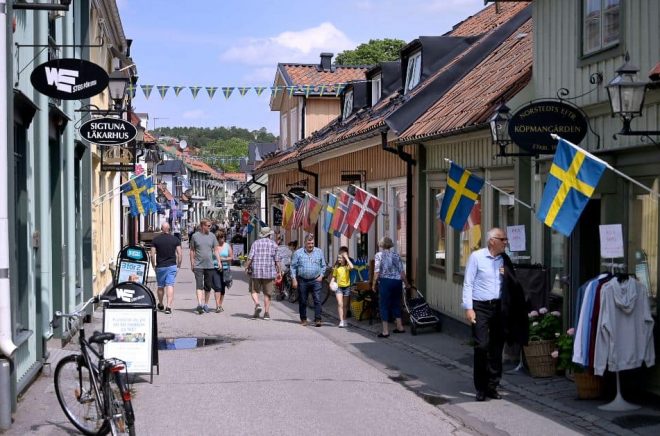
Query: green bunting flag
x=162, y=90
x=274, y=90
x=339, y=86
x=291, y=90
x=177, y=90
x=259, y=90
x=132, y=90
x=194, y=90
x=308, y=88
x=320, y=90
x=211, y=90
x=243, y=90
x=146, y=90
x=227, y=90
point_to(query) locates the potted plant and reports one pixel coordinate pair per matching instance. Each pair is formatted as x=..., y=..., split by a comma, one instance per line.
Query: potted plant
x=544, y=328
x=588, y=385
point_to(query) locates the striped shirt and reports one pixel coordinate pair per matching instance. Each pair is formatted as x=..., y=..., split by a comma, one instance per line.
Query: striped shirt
x=308, y=265
x=263, y=254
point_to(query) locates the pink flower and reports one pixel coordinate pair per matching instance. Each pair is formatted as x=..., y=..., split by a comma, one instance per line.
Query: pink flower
x=535, y=323
x=557, y=335
x=555, y=354
x=555, y=313
x=570, y=332
x=543, y=311
x=533, y=314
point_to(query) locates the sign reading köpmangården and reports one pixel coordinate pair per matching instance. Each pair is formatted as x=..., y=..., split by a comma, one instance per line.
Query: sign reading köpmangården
x=69, y=79
x=531, y=126
x=108, y=131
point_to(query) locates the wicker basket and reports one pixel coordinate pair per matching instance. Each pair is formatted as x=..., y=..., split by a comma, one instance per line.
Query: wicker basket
x=539, y=360
x=589, y=386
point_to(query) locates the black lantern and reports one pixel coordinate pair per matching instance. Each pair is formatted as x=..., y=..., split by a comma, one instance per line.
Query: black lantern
x=117, y=86
x=499, y=125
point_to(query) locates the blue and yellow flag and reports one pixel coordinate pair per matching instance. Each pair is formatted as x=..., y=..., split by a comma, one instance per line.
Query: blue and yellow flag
x=462, y=191
x=572, y=180
x=140, y=192
x=329, y=212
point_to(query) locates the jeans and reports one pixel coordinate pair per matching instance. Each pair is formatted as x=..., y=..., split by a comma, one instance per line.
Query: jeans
x=305, y=286
x=488, y=345
x=389, y=298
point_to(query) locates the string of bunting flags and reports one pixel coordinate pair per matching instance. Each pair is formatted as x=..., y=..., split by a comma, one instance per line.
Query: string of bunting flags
x=227, y=91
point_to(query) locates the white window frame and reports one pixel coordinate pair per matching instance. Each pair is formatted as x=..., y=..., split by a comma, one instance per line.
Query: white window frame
x=376, y=89
x=295, y=134
x=413, y=71
x=284, y=127
x=602, y=45
x=348, y=105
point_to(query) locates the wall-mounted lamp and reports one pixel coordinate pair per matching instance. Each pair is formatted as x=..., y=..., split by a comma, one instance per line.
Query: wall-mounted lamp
x=627, y=97
x=499, y=130
x=117, y=86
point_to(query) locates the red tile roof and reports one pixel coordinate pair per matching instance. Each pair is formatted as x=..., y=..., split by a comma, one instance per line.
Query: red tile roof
x=488, y=18
x=309, y=74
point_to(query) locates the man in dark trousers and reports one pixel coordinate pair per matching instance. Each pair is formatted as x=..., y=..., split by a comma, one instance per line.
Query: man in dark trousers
x=494, y=305
x=166, y=258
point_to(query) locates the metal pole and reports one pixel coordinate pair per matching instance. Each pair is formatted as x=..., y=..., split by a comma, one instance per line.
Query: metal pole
x=5, y=394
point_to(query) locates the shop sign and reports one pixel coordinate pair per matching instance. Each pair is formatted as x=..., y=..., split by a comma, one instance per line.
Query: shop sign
x=108, y=131
x=118, y=158
x=277, y=216
x=531, y=126
x=69, y=79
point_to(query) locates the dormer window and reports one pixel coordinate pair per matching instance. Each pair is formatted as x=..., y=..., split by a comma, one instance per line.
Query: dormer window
x=413, y=71
x=376, y=86
x=348, y=105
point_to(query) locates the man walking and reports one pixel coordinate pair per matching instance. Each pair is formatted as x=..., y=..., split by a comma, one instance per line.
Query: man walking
x=166, y=256
x=307, y=269
x=263, y=265
x=494, y=305
x=203, y=248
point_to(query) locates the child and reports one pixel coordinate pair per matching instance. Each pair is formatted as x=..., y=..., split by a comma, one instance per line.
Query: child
x=341, y=277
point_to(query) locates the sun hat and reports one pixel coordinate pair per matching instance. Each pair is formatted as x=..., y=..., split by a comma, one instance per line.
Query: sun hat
x=265, y=232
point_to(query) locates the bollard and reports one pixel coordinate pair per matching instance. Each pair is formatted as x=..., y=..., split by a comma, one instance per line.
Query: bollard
x=5, y=394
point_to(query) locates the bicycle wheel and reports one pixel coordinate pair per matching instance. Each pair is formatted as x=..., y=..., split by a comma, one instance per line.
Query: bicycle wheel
x=75, y=393
x=121, y=410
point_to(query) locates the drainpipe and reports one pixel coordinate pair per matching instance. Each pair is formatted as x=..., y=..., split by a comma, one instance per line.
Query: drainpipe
x=7, y=346
x=316, y=191
x=410, y=162
x=265, y=192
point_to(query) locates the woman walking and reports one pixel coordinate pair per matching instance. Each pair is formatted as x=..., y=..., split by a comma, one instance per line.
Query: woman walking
x=389, y=277
x=341, y=284
x=221, y=275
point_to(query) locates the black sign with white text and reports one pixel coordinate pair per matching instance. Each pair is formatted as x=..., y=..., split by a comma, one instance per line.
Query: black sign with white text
x=69, y=79
x=108, y=131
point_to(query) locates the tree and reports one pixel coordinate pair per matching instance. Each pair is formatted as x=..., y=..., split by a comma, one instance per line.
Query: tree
x=372, y=52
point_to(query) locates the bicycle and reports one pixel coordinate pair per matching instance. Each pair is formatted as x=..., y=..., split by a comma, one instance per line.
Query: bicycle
x=92, y=391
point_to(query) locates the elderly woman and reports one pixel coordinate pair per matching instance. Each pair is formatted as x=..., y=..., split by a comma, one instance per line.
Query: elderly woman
x=389, y=277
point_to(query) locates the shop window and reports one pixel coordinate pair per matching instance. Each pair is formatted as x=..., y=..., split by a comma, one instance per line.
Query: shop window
x=601, y=25
x=469, y=239
x=504, y=205
x=438, y=231
x=643, y=238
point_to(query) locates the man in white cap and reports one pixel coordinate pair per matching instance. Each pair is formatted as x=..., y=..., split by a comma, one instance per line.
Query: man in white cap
x=263, y=265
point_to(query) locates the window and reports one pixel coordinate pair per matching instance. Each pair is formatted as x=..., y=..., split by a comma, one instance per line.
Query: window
x=348, y=105
x=375, y=89
x=438, y=233
x=398, y=198
x=469, y=239
x=295, y=135
x=601, y=25
x=414, y=71
x=284, y=126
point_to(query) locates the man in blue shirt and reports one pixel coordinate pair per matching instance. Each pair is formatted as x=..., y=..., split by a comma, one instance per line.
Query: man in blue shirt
x=307, y=269
x=482, y=293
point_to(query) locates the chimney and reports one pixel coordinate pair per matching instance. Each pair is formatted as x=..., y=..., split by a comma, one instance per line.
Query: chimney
x=326, y=61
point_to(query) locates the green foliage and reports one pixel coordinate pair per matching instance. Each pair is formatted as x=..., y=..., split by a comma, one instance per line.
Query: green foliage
x=565, y=350
x=372, y=52
x=223, y=148
x=544, y=325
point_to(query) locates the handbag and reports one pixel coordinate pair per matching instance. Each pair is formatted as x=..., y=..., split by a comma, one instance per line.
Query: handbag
x=227, y=278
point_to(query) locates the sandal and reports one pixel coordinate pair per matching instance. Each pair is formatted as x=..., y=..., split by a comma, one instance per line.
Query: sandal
x=380, y=335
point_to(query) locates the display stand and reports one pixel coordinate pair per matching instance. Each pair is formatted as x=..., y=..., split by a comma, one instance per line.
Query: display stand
x=618, y=404
x=521, y=366
x=132, y=265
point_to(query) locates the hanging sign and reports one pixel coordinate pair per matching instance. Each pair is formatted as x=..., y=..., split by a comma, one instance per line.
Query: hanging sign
x=108, y=131
x=516, y=236
x=118, y=158
x=611, y=241
x=531, y=126
x=69, y=79
x=277, y=216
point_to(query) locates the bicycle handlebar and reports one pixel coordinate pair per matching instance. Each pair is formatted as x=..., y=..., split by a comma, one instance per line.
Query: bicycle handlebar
x=75, y=315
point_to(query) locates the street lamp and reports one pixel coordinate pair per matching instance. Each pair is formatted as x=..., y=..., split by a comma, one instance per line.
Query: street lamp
x=499, y=131
x=626, y=97
x=117, y=86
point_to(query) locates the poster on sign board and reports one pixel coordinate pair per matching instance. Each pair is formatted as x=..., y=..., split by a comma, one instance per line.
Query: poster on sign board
x=516, y=235
x=133, y=337
x=611, y=241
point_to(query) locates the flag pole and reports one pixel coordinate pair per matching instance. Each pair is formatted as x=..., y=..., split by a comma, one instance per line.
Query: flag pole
x=503, y=192
x=607, y=165
x=101, y=198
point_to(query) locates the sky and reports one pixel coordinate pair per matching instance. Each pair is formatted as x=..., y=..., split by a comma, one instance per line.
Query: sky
x=230, y=43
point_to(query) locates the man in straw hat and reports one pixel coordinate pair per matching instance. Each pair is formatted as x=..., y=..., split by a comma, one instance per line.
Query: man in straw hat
x=263, y=265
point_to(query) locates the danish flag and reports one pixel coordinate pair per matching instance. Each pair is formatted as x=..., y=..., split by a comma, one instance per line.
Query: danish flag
x=363, y=210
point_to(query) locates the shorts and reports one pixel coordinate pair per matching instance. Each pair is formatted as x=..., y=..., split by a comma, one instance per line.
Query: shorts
x=217, y=282
x=346, y=292
x=166, y=276
x=204, y=278
x=262, y=285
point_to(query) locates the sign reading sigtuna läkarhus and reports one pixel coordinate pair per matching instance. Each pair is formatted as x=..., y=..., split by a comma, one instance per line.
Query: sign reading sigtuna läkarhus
x=69, y=79
x=531, y=126
x=108, y=131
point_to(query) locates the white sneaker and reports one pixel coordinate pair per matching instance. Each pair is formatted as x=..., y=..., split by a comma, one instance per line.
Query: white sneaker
x=342, y=324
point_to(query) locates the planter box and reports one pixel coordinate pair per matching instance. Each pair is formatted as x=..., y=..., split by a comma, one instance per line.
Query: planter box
x=539, y=360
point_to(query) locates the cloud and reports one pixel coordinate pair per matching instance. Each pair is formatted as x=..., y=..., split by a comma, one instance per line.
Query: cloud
x=291, y=46
x=193, y=114
x=260, y=76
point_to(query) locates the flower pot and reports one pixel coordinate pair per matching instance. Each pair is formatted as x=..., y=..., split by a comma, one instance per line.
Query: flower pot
x=539, y=360
x=589, y=386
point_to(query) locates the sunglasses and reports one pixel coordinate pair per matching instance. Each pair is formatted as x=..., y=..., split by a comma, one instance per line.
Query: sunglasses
x=501, y=239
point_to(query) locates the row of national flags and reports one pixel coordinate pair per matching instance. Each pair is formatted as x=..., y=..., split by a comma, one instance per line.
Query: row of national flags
x=572, y=180
x=344, y=212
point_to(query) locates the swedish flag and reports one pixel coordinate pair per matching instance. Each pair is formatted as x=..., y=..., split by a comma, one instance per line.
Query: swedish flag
x=139, y=191
x=462, y=191
x=572, y=180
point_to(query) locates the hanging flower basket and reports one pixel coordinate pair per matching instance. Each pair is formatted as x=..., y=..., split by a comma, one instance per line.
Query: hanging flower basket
x=539, y=359
x=589, y=386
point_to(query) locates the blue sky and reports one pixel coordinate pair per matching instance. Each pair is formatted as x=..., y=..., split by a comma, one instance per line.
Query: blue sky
x=239, y=43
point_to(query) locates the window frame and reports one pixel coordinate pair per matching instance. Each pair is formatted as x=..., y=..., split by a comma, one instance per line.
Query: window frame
x=609, y=48
x=433, y=209
x=376, y=88
x=347, y=108
x=284, y=127
x=413, y=71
